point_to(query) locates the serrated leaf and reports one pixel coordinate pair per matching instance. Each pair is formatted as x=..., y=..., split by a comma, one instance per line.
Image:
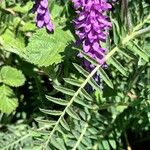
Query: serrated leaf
x=51, y=112
x=12, y=44
x=8, y=102
x=73, y=82
x=65, y=124
x=12, y=76
x=65, y=90
x=72, y=114
x=57, y=100
x=44, y=49
x=105, y=77
x=117, y=65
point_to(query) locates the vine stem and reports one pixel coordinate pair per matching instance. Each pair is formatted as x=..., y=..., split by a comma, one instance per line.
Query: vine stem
x=112, y=52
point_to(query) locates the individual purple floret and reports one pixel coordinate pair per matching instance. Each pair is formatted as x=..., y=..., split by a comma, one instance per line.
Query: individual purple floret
x=43, y=18
x=92, y=25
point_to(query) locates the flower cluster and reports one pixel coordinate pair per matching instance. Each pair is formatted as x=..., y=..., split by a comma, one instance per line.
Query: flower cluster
x=43, y=18
x=92, y=25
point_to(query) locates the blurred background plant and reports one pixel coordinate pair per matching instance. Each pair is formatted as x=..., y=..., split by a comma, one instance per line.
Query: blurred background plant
x=49, y=101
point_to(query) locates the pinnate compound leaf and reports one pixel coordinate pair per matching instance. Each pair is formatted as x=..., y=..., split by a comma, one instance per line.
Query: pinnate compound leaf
x=45, y=49
x=8, y=101
x=11, y=76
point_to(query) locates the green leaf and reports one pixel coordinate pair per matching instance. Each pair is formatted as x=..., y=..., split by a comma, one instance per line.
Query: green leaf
x=81, y=70
x=65, y=90
x=117, y=65
x=86, y=95
x=59, y=144
x=72, y=113
x=51, y=112
x=45, y=49
x=60, y=129
x=85, y=73
x=56, y=10
x=105, y=77
x=112, y=143
x=47, y=122
x=12, y=44
x=65, y=124
x=105, y=145
x=23, y=9
x=87, y=57
x=93, y=83
x=73, y=82
x=28, y=26
x=12, y=76
x=116, y=32
x=8, y=101
x=57, y=100
x=83, y=103
x=138, y=50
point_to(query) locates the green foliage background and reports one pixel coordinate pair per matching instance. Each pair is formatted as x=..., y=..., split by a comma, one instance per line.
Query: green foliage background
x=48, y=101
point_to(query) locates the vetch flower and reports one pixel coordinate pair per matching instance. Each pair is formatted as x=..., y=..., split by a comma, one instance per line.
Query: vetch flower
x=92, y=25
x=43, y=18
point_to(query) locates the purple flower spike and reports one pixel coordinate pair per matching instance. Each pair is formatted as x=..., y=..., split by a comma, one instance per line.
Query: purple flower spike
x=92, y=25
x=43, y=18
